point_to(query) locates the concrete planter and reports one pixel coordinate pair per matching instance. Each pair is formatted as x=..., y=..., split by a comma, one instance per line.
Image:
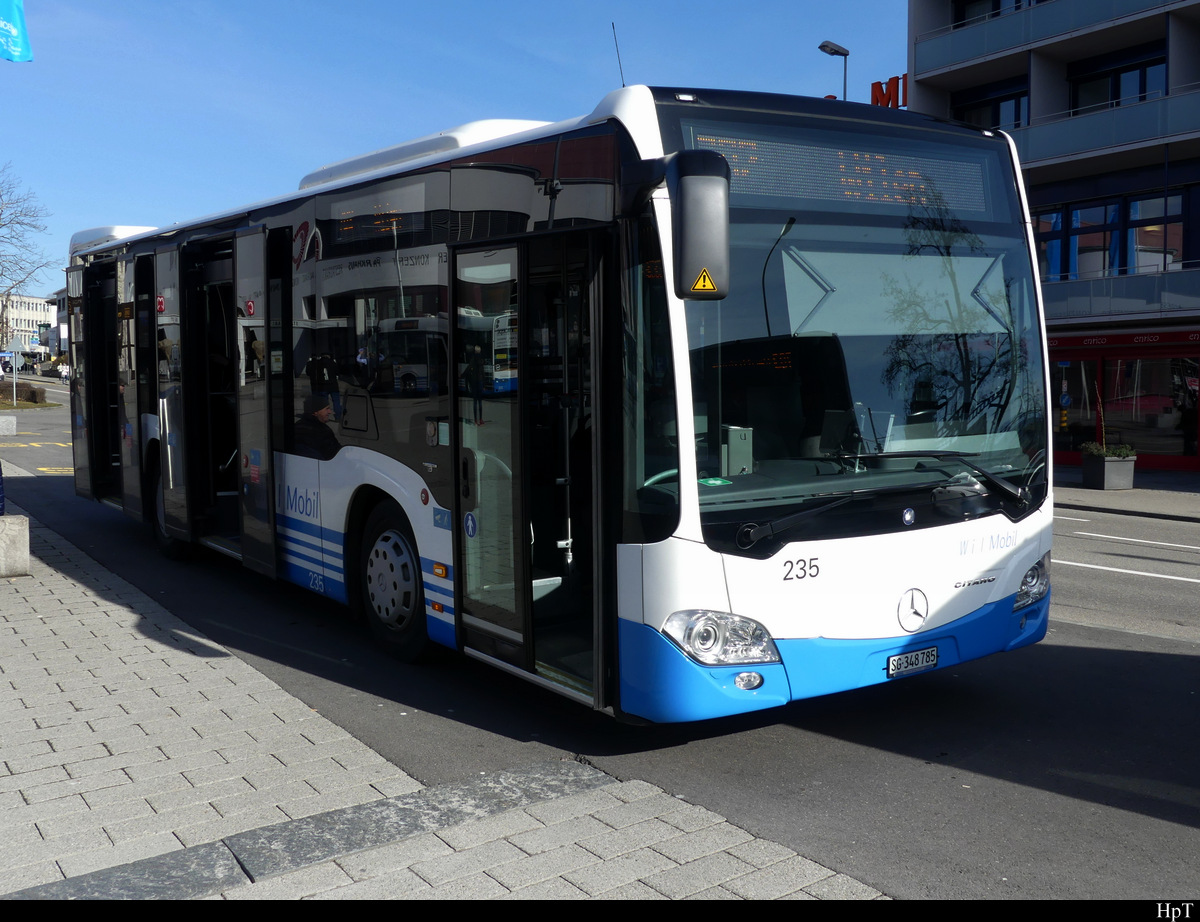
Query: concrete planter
x=1108, y=473
x=14, y=545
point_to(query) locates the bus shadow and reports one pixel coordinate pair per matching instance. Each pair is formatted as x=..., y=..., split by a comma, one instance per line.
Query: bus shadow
x=1112, y=727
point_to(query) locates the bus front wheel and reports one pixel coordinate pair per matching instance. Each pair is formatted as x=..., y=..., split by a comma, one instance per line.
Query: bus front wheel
x=390, y=583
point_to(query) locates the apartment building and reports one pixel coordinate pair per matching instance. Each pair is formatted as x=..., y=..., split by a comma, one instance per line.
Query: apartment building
x=1102, y=98
x=24, y=317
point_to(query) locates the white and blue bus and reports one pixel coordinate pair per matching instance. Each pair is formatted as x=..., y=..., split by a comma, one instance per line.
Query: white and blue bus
x=775, y=422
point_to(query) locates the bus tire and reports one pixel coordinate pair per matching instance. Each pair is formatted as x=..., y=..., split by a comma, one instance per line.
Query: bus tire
x=168, y=545
x=390, y=586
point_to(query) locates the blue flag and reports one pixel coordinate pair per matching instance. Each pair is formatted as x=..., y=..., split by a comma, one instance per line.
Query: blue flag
x=14, y=40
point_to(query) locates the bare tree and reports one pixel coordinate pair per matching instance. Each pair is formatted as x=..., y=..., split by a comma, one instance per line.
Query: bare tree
x=22, y=219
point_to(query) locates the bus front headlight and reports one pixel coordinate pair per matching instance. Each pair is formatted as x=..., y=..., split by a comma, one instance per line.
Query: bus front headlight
x=717, y=638
x=1034, y=584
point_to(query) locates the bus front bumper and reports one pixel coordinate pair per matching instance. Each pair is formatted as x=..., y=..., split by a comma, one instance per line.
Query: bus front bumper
x=659, y=682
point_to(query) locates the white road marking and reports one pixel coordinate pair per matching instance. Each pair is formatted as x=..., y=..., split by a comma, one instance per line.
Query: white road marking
x=1093, y=566
x=1088, y=534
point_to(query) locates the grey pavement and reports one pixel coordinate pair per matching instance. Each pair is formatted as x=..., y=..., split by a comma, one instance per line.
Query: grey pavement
x=140, y=760
x=1155, y=494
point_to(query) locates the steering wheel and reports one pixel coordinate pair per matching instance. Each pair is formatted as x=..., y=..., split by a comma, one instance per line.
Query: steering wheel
x=662, y=476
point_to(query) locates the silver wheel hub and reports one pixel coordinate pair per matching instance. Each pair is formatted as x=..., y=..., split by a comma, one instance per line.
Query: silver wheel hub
x=392, y=579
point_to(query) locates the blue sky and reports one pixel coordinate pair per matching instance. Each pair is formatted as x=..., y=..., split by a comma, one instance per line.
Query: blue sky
x=156, y=111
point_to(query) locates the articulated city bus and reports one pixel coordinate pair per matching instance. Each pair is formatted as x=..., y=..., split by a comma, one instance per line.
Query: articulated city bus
x=701, y=403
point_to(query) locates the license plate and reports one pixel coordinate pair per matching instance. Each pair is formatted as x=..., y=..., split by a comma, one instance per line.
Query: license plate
x=912, y=661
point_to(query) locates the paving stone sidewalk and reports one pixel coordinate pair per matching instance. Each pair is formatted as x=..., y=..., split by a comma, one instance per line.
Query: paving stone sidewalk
x=138, y=759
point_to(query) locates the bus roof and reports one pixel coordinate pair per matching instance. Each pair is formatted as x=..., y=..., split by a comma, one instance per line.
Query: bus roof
x=467, y=135
x=98, y=236
x=632, y=106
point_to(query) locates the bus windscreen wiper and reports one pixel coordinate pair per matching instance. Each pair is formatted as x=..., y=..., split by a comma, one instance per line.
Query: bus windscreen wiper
x=1019, y=495
x=750, y=534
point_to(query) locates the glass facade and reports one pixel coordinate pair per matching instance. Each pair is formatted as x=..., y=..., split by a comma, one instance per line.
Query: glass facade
x=1119, y=236
x=1137, y=389
x=1150, y=403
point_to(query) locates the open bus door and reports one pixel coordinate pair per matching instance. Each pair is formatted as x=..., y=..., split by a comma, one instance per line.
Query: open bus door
x=213, y=374
x=254, y=462
x=203, y=359
x=76, y=344
x=526, y=513
x=210, y=359
x=92, y=311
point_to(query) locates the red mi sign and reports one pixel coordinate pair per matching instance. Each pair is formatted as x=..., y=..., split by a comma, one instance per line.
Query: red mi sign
x=893, y=94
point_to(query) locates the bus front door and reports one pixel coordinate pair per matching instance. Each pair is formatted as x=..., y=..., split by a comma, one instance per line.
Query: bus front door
x=525, y=515
x=493, y=611
x=559, y=415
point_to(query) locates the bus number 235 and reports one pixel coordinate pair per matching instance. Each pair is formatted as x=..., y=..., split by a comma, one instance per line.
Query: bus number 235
x=801, y=569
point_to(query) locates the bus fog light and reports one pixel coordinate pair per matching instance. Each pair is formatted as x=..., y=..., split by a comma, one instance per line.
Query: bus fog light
x=717, y=638
x=1034, y=584
x=748, y=681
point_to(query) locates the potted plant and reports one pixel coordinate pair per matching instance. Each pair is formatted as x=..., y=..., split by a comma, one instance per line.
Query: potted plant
x=1107, y=467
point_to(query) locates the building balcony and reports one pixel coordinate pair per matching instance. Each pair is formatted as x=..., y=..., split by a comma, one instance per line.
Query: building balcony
x=951, y=47
x=1156, y=121
x=1173, y=296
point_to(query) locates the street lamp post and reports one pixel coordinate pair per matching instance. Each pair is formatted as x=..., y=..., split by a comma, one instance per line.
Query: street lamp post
x=833, y=49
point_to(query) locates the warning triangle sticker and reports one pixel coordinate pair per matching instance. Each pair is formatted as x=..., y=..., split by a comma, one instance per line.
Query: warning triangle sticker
x=704, y=282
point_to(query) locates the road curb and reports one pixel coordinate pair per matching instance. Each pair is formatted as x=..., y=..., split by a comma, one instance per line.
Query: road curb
x=1140, y=513
x=260, y=854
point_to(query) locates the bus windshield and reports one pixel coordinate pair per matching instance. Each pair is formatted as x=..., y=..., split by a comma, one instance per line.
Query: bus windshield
x=882, y=320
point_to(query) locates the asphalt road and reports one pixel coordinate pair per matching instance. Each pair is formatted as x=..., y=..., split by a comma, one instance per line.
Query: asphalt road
x=1066, y=770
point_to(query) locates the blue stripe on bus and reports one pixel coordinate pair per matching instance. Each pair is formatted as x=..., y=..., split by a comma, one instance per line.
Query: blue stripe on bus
x=296, y=542
x=334, y=538
x=294, y=555
x=300, y=525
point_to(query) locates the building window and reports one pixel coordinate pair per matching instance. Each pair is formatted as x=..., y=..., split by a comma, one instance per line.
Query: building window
x=1093, y=249
x=1075, y=382
x=1150, y=403
x=1136, y=75
x=1099, y=239
x=1155, y=235
x=1003, y=104
x=1004, y=112
x=968, y=12
x=1047, y=231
